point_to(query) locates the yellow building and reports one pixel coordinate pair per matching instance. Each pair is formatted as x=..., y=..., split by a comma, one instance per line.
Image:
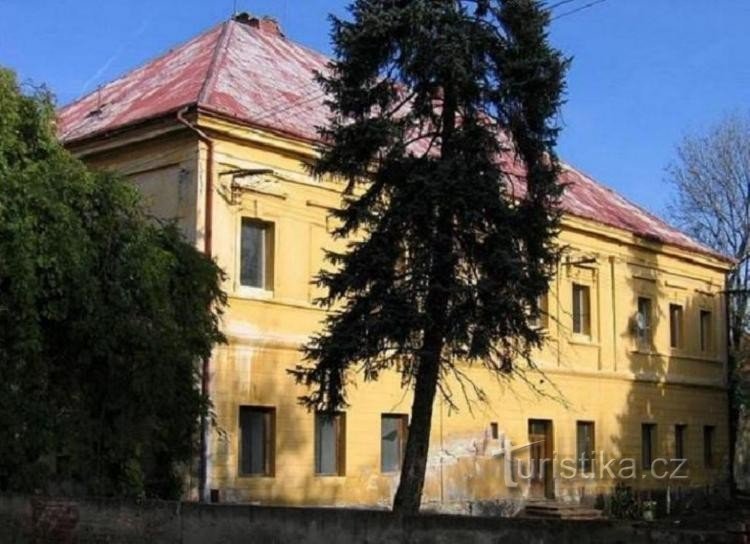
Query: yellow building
x=217, y=133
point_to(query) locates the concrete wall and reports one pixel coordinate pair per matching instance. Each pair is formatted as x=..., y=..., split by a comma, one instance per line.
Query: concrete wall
x=58, y=521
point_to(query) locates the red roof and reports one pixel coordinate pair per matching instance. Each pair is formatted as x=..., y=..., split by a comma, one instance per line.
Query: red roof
x=246, y=69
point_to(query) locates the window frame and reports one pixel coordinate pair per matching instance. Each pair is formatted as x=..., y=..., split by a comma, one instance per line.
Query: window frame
x=645, y=342
x=581, y=322
x=648, y=454
x=542, y=322
x=705, y=330
x=339, y=421
x=403, y=432
x=709, y=444
x=269, y=442
x=680, y=439
x=676, y=326
x=585, y=463
x=268, y=253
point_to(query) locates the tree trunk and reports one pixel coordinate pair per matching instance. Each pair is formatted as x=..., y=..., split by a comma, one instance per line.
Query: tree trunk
x=409, y=494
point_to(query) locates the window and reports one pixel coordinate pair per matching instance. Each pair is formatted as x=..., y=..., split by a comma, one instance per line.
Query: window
x=257, y=437
x=705, y=325
x=585, y=446
x=330, y=443
x=393, y=429
x=680, y=431
x=643, y=328
x=494, y=432
x=541, y=321
x=708, y=446
x=256, y=254
x=581, y=309
x=648, y=445
x=675, y=325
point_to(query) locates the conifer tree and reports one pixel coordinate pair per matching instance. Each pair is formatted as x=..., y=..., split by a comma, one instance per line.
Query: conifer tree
x=448, y=253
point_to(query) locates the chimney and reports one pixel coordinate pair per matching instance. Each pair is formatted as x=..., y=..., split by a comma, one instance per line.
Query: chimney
x=265, y=24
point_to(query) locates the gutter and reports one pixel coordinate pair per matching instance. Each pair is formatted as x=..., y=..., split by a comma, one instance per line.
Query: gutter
x=203, y=468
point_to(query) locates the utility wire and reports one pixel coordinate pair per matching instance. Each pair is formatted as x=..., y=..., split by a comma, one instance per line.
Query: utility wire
x=576, y=10
x=558, y=4
x=289, y=106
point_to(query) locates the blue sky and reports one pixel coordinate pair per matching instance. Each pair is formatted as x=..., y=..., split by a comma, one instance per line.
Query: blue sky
x=644, y=73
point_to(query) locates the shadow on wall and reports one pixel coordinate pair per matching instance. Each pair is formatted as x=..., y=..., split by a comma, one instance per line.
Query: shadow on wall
x=661, y=440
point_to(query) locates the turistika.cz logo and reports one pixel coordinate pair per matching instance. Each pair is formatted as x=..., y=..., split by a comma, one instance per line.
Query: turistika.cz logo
x=592, y=465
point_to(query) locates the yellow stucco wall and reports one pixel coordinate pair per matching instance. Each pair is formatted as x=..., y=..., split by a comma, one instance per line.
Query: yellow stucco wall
x=603, y=378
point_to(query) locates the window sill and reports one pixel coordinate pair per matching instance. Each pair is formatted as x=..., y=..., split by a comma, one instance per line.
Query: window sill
x=256, y=476
x=253, y=293
x=583, y=340
x=678, y=354
x=331, y=476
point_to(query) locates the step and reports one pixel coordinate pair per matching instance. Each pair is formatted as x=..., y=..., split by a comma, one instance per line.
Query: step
x=551, y=510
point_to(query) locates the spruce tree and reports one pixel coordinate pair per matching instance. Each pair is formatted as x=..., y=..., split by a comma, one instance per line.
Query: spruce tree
x=448, y=252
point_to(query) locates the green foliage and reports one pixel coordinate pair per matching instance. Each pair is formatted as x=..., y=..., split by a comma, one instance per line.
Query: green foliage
x=623, y=504
x=104, y=317
x=422, y=95
x=427, y=97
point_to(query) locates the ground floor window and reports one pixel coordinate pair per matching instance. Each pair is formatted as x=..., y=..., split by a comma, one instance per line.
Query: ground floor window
x=330, y=444
x=708, y=445
x=257, y=438
x=648, y=445
x=585, y=446
x=393, y=430
x=680, y=432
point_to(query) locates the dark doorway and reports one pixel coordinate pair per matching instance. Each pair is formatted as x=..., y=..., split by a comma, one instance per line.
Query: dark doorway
x=540, y=457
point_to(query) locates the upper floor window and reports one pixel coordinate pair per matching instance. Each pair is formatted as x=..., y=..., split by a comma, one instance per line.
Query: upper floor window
x=675, y=326
x=330, y=440
x=581, y=309
x=643, y=329
x=705, y=331
x=540, y=322
x=256, y=254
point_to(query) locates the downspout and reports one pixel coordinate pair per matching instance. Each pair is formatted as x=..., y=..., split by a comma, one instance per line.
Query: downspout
x=730, y=383
x=203, y=468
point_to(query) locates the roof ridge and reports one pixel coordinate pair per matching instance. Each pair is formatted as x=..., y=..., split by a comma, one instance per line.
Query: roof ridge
x=220, y=47
x=147, y=62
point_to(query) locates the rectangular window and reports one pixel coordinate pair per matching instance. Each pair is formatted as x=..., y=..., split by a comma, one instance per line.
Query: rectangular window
x=585, y=446
x=675, y=325
x=705, y=332
x=541, y=321
x=257, y=438
x=648, y=445
x=330, y=443
x=708, y=446
x=680, y=432
x=643, y=326
x=494, y=431
x=581, y=309
x=393, y=429
x=256, y=254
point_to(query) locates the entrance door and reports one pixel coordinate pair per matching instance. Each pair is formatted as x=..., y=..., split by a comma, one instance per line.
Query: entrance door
x=540, y=457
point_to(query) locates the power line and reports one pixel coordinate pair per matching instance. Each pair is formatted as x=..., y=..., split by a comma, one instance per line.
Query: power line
x=558, y=4
x=576, y=10
x=289, y=106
